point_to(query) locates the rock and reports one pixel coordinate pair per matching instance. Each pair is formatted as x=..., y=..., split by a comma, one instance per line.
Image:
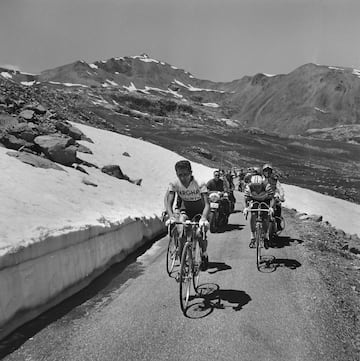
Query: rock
x=60, y=149
x=34, y=160
x=114, y=171
x=89, y=183
x=80, y=168
x=304, y=217
x=316, y=218
x=26, y=131
x=355, y=250
x=70, y=130
x=27, y=114
x=126, y=154
x=37, y=108
x=340, y=232
x=12, y=142
x=81, y=148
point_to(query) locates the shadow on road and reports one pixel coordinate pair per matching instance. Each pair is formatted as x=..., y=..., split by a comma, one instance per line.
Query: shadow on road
x=215, y=267
x=231, y=227
x=285, y=241
x=270, y=264
x=210, y=297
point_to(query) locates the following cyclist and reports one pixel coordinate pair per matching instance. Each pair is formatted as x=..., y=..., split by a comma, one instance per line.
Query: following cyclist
x=194, y=201
x=258, y=191
x=272, y=179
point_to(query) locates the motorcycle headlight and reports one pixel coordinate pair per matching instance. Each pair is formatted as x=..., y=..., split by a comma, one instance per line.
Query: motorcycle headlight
x=214, y=197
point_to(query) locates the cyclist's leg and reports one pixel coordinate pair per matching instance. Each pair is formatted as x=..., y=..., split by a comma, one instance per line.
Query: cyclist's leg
x=252, y=229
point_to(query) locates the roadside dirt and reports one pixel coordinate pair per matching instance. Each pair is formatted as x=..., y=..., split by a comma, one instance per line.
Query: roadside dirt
x=326, y=251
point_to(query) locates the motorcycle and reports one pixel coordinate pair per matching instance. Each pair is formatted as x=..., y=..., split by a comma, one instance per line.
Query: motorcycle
x=219, y=210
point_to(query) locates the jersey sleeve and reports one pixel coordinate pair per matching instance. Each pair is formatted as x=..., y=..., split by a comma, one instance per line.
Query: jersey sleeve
x=172, y=187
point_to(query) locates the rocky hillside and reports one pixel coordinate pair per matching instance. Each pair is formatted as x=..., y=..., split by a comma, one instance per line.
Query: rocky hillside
x=311, y=96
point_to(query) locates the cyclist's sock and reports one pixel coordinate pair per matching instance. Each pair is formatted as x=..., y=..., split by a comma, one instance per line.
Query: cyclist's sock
x=252, y=235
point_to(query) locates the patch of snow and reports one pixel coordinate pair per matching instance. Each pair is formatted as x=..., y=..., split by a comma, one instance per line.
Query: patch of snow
x=193, y=89
x=130, y=88
x=356, y=72
x=269, y=75
x=320, y=110
x=116, y=72
x=335, y=68
x=68, y=84
x=105, y=85
x=28, y=83
x=112, y=82
x=211, y=105
x=94, y=66
x=145, y=59
x=120, y=58
x=6, y=75
x=25, y=73
x=174, y=67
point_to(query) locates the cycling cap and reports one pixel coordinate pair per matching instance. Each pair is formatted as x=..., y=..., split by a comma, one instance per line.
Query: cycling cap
x=256, y=170
x=267, y=166
x=183, y=164
x=256, y=179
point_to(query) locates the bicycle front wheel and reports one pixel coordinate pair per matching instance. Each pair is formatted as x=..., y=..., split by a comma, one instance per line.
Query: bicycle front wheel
x=171, y=254
x=196, y=265
x=185, y=277
x=258, y=238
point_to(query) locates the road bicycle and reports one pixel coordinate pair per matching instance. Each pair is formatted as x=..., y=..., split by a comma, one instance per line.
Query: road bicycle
x=190, y=263
x=258, y=208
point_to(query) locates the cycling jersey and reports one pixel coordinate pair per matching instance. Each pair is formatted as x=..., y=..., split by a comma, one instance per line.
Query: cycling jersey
x=192, y=202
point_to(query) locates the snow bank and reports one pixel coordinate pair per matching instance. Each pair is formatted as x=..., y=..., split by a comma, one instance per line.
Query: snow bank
x=340, y=213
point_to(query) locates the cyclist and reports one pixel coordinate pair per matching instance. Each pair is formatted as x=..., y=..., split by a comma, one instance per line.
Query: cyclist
x=194, y=201
x=258, y=190
x=272, y=179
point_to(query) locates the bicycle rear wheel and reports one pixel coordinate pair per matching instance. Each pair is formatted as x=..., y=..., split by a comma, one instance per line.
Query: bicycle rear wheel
x=258, y=238
x=196, y=265
x=171, y=254
x=185, y=277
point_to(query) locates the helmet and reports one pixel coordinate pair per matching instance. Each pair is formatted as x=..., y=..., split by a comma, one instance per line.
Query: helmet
x=267, y=166
x=256, y=179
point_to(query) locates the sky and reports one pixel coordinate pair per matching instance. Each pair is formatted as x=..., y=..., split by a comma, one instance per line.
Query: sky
x=212, y=39
x=52, y=202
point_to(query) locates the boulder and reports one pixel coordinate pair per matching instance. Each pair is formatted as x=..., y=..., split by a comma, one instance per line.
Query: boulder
x=70, y=130
x=60, y=149
x=12, y=142
x=37, y=108
x=81, y=148
x=27, y=114
x=34, y=160
x=26, y=131
x=126, y=154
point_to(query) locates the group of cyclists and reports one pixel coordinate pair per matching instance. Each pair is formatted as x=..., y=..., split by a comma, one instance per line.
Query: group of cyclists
x=186, y=198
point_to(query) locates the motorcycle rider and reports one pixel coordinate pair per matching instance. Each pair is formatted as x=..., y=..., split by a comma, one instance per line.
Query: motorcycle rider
x=217, y=185
x=259, y=191
x=270, y=178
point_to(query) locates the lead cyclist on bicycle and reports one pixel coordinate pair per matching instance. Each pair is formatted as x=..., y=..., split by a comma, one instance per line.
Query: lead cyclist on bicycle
x=194, y=201
x=259, y=191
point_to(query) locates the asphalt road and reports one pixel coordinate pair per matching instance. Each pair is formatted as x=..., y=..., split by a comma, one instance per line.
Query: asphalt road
x=132, y=312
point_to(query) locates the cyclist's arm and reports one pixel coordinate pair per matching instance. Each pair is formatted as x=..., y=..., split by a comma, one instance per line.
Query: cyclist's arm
x=206, y=205
x=169, y=203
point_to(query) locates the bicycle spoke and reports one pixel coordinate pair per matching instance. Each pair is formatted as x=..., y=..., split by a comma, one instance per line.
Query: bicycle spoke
x=185, y=277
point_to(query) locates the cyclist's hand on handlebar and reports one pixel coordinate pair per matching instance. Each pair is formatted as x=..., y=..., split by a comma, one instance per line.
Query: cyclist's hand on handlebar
x=246, y=211
x=204, y=222
x=271, y=211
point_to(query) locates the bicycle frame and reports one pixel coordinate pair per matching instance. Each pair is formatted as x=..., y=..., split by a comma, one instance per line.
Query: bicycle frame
x=259, y=232
x=190, y=262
